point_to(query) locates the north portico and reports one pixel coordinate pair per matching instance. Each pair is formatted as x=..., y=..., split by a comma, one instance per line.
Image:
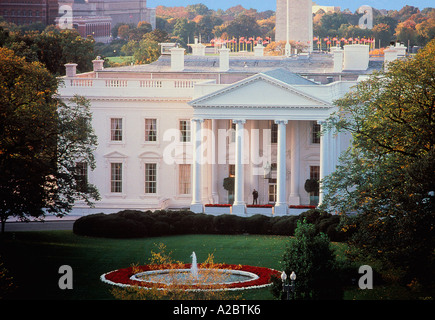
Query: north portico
x=274, y=148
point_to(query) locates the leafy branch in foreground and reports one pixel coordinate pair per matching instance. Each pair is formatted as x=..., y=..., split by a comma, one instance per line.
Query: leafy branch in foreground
x=387, y=176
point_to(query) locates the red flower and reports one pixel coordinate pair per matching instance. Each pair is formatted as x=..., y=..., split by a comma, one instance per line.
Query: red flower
x=122, y=277
x=218, y=205
x=301, y=207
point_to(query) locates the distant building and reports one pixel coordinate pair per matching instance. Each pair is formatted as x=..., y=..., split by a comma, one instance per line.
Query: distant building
x=317, y=7
x=96, y=18
x=126, y=11
x=29, y=11
x=99, y=27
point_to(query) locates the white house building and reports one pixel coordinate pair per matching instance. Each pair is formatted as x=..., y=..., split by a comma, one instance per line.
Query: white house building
x=170, y=132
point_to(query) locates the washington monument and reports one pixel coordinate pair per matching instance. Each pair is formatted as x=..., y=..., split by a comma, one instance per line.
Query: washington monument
x=294, y=21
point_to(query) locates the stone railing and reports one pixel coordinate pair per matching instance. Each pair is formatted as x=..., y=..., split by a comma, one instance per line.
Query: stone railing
x=90, y=87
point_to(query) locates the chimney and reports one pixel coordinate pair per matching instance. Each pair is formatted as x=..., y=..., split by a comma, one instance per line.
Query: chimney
x=259, y=50
x=98, y=64
x=356, y=57
x=224, y=59
x=177, y=59
x=71, y=69
x=390, y=54
x=394, y=52
x=338, y=59
x=198, y=49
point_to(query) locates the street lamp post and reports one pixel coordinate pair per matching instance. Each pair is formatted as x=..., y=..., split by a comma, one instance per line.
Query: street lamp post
x=287, y=287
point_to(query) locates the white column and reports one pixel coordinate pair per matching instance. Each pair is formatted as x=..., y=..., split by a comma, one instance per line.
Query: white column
x=294, y=198
x=214, y=163
x=196, y=205
x=281, y=204
x=324, y=158
x=239, y=203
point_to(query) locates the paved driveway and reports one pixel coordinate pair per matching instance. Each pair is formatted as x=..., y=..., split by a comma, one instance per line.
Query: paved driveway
x=50, y=223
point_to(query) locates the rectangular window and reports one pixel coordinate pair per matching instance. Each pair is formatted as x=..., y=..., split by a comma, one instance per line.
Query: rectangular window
x=150, y=178
x=184, y=130
x=150, y=130
x=272, y=190
x=274, y=132
x=315, y=131
x=116, y=129
x=116, y=177
x=184, y=179
x=82, y=176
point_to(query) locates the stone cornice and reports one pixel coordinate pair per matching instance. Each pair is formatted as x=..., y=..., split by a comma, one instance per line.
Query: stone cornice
x=250, y=106
x=144, y=99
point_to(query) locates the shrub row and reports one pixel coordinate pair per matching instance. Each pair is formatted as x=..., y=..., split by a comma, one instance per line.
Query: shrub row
x=135, y=224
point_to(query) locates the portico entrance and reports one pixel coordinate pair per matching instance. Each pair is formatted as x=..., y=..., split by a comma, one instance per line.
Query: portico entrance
x=263, y=125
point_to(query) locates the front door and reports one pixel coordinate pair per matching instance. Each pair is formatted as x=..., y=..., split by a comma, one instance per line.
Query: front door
x=272, y=191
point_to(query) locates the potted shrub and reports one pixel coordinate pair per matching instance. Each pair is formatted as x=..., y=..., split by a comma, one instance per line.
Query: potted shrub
x=312, y=187
x=229, y=186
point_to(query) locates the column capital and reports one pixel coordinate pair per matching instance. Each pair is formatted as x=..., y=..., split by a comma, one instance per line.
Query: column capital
x=321, y=122
x=197, y=120
x=281, y=121
x=239, y=121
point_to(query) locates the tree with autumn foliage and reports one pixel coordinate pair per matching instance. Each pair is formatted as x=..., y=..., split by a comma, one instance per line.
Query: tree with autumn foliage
x=387, y=177
x=41, y=142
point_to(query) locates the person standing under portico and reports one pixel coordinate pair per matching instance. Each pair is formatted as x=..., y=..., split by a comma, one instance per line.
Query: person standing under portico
x=254, y=196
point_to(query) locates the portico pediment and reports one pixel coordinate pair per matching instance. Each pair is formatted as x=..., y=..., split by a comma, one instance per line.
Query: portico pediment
x=261, y=91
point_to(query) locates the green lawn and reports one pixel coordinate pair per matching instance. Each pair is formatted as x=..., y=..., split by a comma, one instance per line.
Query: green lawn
x=120, y=59
x=34, y=258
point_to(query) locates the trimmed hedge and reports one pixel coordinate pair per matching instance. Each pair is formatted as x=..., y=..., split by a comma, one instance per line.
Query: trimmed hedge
x=139, y=224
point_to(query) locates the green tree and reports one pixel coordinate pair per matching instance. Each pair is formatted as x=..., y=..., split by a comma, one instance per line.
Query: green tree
x=382, y=34
x=157, y=35
x=406, y=33
x=243, y=26
x=140, y=31
x=198, y=9
x=52, y=47
x=310, y=256
x=147, y=51
x=41, y=139
x=206, y=25
x=387, y=176
x=185, y=30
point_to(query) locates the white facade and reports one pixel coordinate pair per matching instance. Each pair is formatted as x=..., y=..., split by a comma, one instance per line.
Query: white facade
x=168, y=139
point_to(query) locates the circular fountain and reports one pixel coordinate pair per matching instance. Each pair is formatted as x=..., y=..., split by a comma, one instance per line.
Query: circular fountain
x=190, y=277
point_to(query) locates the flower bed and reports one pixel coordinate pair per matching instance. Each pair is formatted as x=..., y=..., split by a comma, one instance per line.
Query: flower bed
x=123, y=278
x=218, y=205
x=259, y=206
x=217, y=208
x=301, y=207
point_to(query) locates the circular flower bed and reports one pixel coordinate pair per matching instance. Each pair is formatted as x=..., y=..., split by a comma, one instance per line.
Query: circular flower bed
x=126, y=278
